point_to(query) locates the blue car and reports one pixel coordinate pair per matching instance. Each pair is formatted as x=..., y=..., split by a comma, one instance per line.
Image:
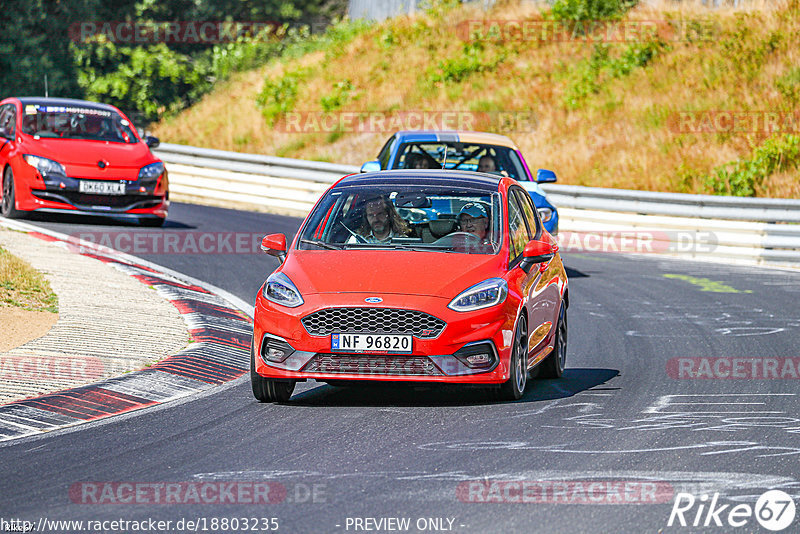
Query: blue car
x=467, y=151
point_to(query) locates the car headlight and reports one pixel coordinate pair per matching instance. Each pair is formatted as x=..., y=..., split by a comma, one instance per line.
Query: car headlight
x=150, y=172
x=46, y=167
x=488, y=293
x=280, y=290
x=545, y=213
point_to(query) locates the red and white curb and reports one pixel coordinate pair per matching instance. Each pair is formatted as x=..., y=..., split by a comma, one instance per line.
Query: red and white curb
x=220, y=326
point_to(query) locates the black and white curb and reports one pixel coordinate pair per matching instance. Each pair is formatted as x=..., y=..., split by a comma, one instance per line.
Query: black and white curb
x=220, y=330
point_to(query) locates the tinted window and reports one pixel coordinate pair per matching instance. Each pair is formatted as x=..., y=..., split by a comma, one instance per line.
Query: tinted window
x=528, y=211
x=517, y=230
x=386, y=152
x=8, y=114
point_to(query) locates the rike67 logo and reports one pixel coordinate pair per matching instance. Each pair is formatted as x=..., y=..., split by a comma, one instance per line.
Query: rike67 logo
x=774, y=510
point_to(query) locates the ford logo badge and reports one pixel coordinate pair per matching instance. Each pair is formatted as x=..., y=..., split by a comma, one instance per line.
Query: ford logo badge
x=373, y=300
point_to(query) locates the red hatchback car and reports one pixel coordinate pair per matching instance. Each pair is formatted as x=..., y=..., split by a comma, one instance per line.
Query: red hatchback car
x=63, y=155
x=372, y=289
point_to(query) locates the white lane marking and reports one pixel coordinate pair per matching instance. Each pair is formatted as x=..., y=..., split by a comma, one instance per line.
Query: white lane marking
x=664, y=402
x=728, y=446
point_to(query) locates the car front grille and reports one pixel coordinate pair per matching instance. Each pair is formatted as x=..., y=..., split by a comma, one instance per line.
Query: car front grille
x=363, y=364
x=373, y=321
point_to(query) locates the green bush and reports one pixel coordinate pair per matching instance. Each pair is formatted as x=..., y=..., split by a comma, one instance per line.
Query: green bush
x=591, y=74
x=584, y=10
x=148, y=81
x=745, y=50
x=278, y=96
x=473, y=58
x=741, y=178
x=343, y=92
x=789, y=85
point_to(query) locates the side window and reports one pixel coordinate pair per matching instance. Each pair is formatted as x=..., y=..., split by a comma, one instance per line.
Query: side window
x=529, y=211
x=8, y=117
x=517, y=231
x=386, y=152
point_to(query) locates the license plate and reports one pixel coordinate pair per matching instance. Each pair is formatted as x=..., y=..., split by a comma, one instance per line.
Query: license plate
x=101, y=188
x=377, y=343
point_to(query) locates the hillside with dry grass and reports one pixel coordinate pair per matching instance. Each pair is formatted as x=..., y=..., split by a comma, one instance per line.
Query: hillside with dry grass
x=696, y=99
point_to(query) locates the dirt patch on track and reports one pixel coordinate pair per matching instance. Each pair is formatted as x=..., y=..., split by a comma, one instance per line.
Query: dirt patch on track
x=18, y=326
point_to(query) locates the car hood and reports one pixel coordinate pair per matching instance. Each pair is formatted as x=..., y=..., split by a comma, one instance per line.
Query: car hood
x=437, y=274
x=82, y=152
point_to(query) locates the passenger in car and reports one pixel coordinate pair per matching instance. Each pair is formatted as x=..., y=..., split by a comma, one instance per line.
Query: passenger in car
x=473, y=219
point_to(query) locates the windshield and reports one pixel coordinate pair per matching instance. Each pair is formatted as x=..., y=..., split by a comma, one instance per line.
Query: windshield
x=75, y=122
x=443, y=219
x=492, y=159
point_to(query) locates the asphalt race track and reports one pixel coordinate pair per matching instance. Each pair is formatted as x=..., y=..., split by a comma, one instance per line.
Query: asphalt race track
x=645, y=411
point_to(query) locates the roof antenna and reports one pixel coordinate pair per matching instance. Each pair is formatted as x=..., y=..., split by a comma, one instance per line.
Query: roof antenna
x=445, y=158
x=46, y=93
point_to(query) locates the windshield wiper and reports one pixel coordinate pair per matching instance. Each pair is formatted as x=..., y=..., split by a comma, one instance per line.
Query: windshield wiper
x=329, y=246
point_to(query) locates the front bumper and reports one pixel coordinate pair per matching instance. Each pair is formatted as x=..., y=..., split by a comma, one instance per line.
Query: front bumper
x=440, y=359
x=62, y=195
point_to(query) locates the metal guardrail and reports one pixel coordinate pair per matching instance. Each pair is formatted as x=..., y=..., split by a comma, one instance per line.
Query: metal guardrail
x=752, y=230
x=676, y=204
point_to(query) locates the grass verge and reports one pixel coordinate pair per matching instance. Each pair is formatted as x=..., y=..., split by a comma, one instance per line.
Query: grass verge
x=24, y=287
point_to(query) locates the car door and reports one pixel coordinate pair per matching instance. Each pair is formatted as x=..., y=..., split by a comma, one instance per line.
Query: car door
x=541, y=288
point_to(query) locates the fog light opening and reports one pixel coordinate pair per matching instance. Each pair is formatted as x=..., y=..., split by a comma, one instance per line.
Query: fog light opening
x=275, y=350
x=480, y=355
x=479, y=359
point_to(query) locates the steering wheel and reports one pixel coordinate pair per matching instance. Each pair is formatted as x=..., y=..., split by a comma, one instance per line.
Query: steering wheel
x=452, y=237
x=464, y=234
x=359, y=238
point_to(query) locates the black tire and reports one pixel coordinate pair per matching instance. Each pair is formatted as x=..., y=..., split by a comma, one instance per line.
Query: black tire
x=152, y=222
x=553, y=366
x=8, y=206
x=514, y=387
x=265, y=389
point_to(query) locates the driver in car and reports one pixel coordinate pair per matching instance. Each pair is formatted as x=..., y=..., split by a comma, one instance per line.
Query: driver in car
x=487, y=164
x=473, y=219
x=380, y=223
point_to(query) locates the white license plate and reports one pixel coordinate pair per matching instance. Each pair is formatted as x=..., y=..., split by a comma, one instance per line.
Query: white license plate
x=377, y=343
x=101, y=188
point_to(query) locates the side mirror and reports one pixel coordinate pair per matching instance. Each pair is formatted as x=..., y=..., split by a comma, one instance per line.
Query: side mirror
x=151, y=141
x=371, y=166
x=275, y=245
x=537, y=252
x=545, y=176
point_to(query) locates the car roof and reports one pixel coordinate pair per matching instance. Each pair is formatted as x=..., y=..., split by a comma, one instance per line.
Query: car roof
x=71, y=102
x=431, y=177
x=455, y=136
